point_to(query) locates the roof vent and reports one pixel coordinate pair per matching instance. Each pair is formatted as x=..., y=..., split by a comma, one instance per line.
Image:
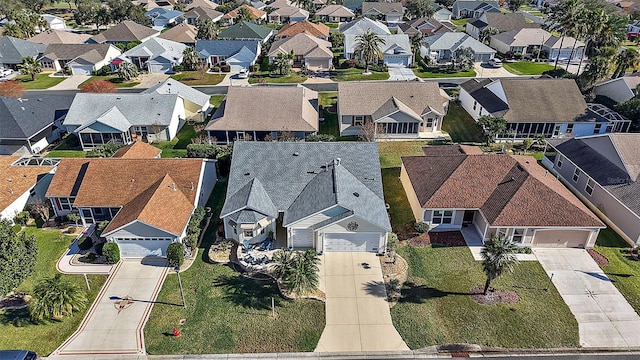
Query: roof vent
x=11, y=191
x=336, y=162
x=545, y=173
x=247, y=174
x=296, y=154
x=133, y=180
x=356, y=194
x=9, y=180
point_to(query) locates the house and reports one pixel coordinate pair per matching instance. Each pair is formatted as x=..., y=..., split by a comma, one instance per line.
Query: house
x=473, y=9
x=258, y=5
x=519, y=102
x=353, y=5
x=620, y=89
x=389, y=12
x=602, y=170
x=400, y=109
x=195, y=14
x=54, y=22
x=182, y=33
x=162, y=18
x=322, y=196
x=152, y=4
x=196, y=103
x=318, y=4
x=425, y=26
x=335, y=14
x=442, y=14
x=13, y=50
x=525, y=41
x=99, y=119
x=288, y=14
x=248, y=113
x=201, y=3
x=28, y=125
x=396, y=49
x=501, y=21
x=124, y=33
x=138, y=150
x=59, y=37
x=566, y=48
x=239, y=54
x=156, y=55
x=24, y=181
x=79, y=59
x=454, y=188
x=360, y=26
x=147, y=202
x=245, y=30
x=319, y=30
x=230, y=17
x=441, y=47
x=309, y=52
x=633, y=29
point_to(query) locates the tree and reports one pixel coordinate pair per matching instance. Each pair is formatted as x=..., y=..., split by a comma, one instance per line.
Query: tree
x=337, y=39
x=102, y=17
x=74, y=216
x=627, y=58
x=514, y=5
x=492, y=126
x=127, y=71
x=527, y=144
x=282, y=63
x=463, y=58
x=30, y=66
x=563, y=19
x=99, y=86
x=190, y=58
x=175, y=255
x=368, y=47
x=111, y=253
x=498, y=256
x=416, y=44
x=207, y=30
x=487, y=33
x=54, y=298
x=13, y=30
x=370, y=131
x=631, y=110
x=303, y=4
x=18, y=253
x=36, y=5
x=11, y=88
x=202, y=69
x=420, y=8
x=297, y=270
x=392, y=245
x=86, y=11
x=40, y=208
x=245, y=14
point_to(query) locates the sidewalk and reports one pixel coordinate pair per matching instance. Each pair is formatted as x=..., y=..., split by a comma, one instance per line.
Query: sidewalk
x=65, y=266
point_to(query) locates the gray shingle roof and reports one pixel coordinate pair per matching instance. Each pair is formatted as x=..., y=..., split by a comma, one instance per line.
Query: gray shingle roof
x=226, y=48
x=22, y=119
x=251, y=196
x=12, y=50
x=69, y=52
x=186, y=92
x=360, y=26
x=455, y=40
x=382, y=8
x=157, y=47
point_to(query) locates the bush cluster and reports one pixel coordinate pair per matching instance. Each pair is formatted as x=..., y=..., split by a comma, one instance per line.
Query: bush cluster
x=421, y=227
x=111, y=253
x=175, y=254
x=321, y=138
x=21, y=218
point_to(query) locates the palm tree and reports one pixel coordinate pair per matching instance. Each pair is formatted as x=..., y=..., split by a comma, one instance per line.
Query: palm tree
x=30, y=66
x=190, y=58
x=563, y=19
x=579, y=31
x=127, y=71
x=464, y=58
x=498, y=255
x=368, y=47
x=207, y=30
x=282, y=62
x=298, y=270
x=54, y=298
x=487, y=33
x=626, y=58
x=416, y=44
x=13, y=30
x=245, y=14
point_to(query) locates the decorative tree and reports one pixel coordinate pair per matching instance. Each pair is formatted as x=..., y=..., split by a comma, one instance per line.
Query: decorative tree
x=498, y=256
x=492, y=126
x=40, y=208
x=245, y=14
x=370, y=131
x=99, y=86
x=368, y=47
x=30, y=66
x=282, y=63
x=54, y=298
x=127, y=71
x=75, y=217
x=416, y=44
x=190, y=58
x=463, y=58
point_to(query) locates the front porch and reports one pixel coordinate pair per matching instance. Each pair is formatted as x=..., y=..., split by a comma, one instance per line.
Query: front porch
x=475, y=245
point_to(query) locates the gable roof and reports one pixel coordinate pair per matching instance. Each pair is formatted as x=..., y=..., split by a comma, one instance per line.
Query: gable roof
x=361, y=25
x=251, y=196
x=352, y=4
x=156, y=47
x=17, y=179
x=523, y=37
x=509, y=190
x=25, y=117
x=290, y=11
x=455, y=40
x=161, y=13
x=171, y=86
x=508, y=21
x=201, y=3
x=318, y=30
x=302, y=44
x=182, y=33
x=335, y=10
x=414, y=26
x=460, y=5
x=200, y=12
x=245, y=30
x=12, y=50
x=125, y=31
x=258, y=14
x=554, y=42
x=69, y=52
x=54, y=36
x=244, y=109
x=226, y=48
x=382, y=8
x=137, y=150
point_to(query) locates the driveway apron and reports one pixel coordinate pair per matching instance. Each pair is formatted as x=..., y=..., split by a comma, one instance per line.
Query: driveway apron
x=357, y=312
x=605, y=318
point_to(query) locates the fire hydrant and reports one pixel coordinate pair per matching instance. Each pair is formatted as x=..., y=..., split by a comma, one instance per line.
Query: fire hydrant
x=176, y=332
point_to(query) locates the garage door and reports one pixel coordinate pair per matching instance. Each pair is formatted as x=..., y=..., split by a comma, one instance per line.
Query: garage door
x=351, y=242
x=142, y=248
x=302, y=238
x=159, y=68
x=483, y=57
x=396, y=61
x=561, y=238
x=317, y=64
x=81, y=69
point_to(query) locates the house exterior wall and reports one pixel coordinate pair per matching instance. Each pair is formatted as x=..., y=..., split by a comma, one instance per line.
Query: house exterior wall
x=238, y=234
x=616, y=90
x=469, y=103
x=208, y=179
x=565, y=53
x=178, y=113
x=416, y=209
x=15, y=207
x=473, y=31
x=499, y=46
x=318, y=63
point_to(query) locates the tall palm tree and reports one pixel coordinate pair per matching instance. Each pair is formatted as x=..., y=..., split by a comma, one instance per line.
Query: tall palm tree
x=368, y=47
x=627, y=58
x=416, y=44
x=30, y=66
x=127, y=71
x=498, y=255
x=54, y=298
x=593, y=21
x=579, y=31
x=563, y=19
x=190, y=58
x=297, y=270
x=487, y=33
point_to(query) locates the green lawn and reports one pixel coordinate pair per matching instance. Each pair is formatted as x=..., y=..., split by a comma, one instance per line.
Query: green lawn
x=216, y=100
x=391, y=151
x=355, y=74
x=118, y=82
x=330, y=123
x=66, y=154
x=42, y=81
x=461, y=126
x=178, y=146
x=460, y=22
x=442, y=73
x=436, y=308
x=192, y=78
x=16, y=330
x=633, y=45
x=527, y=67
x=263, y=77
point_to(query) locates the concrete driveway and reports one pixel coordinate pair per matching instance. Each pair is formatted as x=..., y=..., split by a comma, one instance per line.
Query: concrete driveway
x=485, y=70
x=401, y=73
x=70, y=83
x=115, y=327
x=605, y=318
x=357, y=312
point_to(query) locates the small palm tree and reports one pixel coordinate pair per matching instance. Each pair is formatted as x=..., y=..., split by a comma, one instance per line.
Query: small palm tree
x=54, y=298
x=368, y=47
x=298, y=270
x=627, y=58
x=416, y=44
x=487, y=33
x=127, y=71
x=190, y=58
x=498, y=255
x=30, y=66
x=464, y=58
x=282, y=62
x=13, y=30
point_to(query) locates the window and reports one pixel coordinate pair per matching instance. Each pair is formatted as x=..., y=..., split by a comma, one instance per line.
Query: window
x=576, y=175
x=502, y=232
x=442, y=216
x=248, y=233
x=589, y=187
x=475, y=103
x=597, y=128
x=233, y=226
x=518, y=235
x=559, y=161
x=358, y=120
x=569, y=128
x=65, y=203
x=429, y=123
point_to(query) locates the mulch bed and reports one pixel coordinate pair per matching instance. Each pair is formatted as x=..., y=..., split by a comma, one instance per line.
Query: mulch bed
x=445, y=238
x=494, y=296
x=14, y=302
x=598, y=258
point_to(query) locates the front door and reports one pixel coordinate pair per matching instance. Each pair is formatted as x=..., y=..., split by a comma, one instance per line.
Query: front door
x=468, y=217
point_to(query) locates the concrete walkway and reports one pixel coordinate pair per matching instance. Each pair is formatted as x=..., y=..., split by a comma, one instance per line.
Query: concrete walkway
x=357, y=311
x=113, y=326
x=71, y=83
x=65, y=265
x=605, y=318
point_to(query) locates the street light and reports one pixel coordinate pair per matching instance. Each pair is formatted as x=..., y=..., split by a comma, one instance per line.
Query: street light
x=177, y=268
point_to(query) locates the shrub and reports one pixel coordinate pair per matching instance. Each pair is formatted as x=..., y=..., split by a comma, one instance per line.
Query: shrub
x=111, y=253
x=351, y=63
x=105, y=70
x=71, y=141
x=202, y=151
x=321, y=138
x=523, y=250
x=100, y=227
x=225, y=68
x=392, y=242
x=264, y=65
x=21, y=218
x=191, y=240
x=91, y=257
x=85, y=243
x=98, y=248
x=178, y=68
x=104, y=151
x=421, y=227
x=175, y=254
x=16, y=228
x=559, y=73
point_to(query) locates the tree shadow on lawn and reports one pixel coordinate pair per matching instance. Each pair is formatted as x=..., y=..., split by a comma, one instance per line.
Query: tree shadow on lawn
x=248, y=293
x=417, y=294
x=20, y=318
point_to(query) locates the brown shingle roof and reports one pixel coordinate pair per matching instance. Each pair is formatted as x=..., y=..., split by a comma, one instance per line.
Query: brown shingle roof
x=59, y=37
x=125, y=31
x=137, y=150
x=16, y=180
x=201, y=3
x=628, y=150
x=304, y=27
x=257, y=13
x=183, y=33
x=303, y=45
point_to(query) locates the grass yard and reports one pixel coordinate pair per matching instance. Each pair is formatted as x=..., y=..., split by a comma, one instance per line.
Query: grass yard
x=216, y=100
x=192, y=78
x=355, y=74
x=460, y=22
x=330, y=124
x=391, y=151
x=42, y=81
x=263, y=77
x=114, y=79
x=178, y=146
x=66, y=154
x=461, y=126
x=442, y=73
x=436, y=308
x=16, y=330
x=633, y=45
x=527, y=67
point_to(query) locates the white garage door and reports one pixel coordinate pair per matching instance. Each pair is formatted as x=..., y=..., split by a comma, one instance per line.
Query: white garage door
x=81, y=69
x=302, y=238
x=159, y=68
x=561, y=238
x=396, y=61
x=351, y=242
x=131, y=248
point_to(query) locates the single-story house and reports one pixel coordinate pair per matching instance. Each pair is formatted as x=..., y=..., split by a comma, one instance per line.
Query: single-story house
x=566, y=48
x=288, y=14
x=525, y=40
x=309, y=52
x=231, y=17
x=442, y=14
x=125, y=32
x=239, y=54
x=54, y=22
x=99, y=119
x=196, y=103
x=519, y=102
x=353, y=5
x=451, y=188
x=156, y=55
x=80, y=59
x=602, y=170
x=319, y=30
x=162, y=18
x=389, y=12
x=246, y=30
x=147, y=201
x=399, y=109
x=24, y=180
x=195, y=14
x=182, y=33
x=620, y=89
x=473, y=9
x=13, y=50
x=441, y=47
x=322, y=196
x=425, y=26
x=28, y=125
x=261, y=113
x=396, y=49
x=201, y=3
x=501, y=21
x=361, y=25
x=59, y=37
x=335, y=14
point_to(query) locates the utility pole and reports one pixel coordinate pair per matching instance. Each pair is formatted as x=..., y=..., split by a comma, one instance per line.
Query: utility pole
x=184, y=304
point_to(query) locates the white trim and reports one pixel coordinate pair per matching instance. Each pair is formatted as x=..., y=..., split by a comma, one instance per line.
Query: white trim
x=312, y=215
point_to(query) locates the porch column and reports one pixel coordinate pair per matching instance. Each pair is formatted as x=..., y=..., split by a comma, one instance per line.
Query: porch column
x=226, y=132
x=254, y=136
x=484, y=234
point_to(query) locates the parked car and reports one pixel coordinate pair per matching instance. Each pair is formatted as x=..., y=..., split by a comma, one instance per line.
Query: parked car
x=5, y=72
x=496, y=63
x=18, y=355
x=243, y=74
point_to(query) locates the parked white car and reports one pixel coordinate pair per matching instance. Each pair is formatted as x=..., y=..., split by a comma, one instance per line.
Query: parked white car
x=243, y=74
x=5, y=72
x=496, y=63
